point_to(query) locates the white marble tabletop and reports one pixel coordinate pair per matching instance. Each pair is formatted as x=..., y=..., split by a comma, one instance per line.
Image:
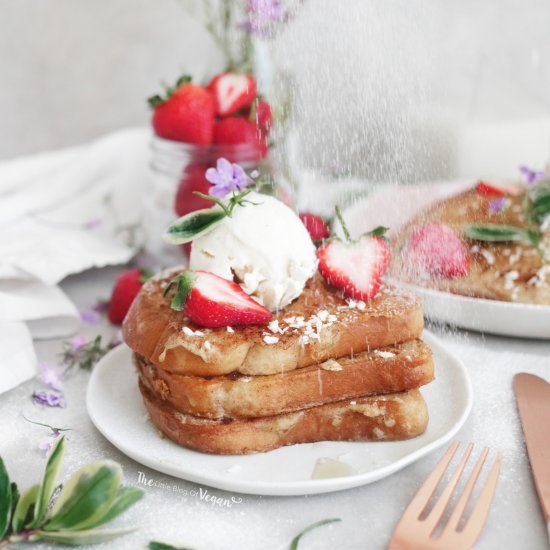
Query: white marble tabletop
x=368, y=513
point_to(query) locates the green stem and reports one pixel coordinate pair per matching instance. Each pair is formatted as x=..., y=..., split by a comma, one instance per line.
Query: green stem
x=342, y=223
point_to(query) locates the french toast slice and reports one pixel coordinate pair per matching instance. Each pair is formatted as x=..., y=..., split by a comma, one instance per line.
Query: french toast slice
x=384, y=417
x=392, y=369
x=507, y=271
x=319, y=325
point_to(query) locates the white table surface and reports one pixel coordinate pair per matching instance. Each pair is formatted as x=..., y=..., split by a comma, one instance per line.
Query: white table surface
x=368, y=513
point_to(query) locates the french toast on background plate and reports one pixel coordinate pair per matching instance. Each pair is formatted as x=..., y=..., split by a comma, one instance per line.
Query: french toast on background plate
x=491, y=241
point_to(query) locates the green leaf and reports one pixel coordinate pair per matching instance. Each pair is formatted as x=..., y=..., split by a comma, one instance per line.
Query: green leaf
x=342, y=223
x=23, y=512
x=156, y=545
x=5, y=499
x=126, y=497
x=193, y=225
x=184, y=281
x=541, y=207
x=49, y=479
x=15, y=495
x=378, y=231
x=90, y=536
x=86, y=498
x=296, y=539
x=495, y=233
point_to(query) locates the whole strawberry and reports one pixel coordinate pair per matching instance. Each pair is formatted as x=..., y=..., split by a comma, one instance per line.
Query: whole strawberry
x=193, y=179
x=126, y=288
x=434, y=249
x=185, y=114
x=316, y=226
x=263, y=115
x=211, y=301
x=237, y=130
x=355, y=266
x=232, y=92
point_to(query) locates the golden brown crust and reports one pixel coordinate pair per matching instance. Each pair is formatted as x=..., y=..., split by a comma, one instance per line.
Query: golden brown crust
x=155, y=331
x=388, y=370
x=498, y=271
x=390, y=417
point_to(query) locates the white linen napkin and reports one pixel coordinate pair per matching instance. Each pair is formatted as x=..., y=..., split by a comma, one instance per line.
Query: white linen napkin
x=61, y=213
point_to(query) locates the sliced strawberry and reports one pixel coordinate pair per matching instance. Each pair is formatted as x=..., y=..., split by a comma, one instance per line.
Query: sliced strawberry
x=356, y=266
x=232, y=92
x=316, y=226
x=211, y=301
x=489, y=189
x=187, y=114
x=434, y=249
x=126, y=288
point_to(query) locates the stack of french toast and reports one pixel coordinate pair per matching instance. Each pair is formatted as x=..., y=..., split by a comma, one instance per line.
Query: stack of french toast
x=325, y=367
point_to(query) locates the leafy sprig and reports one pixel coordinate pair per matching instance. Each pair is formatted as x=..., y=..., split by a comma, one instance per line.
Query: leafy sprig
x=536, y=208
x=184, y=282
x=201, y=222
x=86, y=355
x=69, y=514
x=156, y=545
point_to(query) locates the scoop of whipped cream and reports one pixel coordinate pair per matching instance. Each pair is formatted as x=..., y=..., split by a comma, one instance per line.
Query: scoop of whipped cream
x=264, y=246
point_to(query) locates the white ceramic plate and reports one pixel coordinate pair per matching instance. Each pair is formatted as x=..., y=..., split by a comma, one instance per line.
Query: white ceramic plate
x=393, y=207
x=491, y=316
x=116, y=408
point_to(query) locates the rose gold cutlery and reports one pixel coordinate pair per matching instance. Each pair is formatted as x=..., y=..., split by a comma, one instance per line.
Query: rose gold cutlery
x=533, y=398
x=416, y=532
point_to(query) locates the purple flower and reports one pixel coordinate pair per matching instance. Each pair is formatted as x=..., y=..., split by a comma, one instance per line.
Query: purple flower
x=90, y=316
x=49, y=399
x=227, y=177
x=498, y=205
x=261, y=16
x=77, y=342
x=47, y=443
x=51, y=376
x=532, y=176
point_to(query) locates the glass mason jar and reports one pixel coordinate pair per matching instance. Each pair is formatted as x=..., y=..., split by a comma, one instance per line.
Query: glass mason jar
x=178, y=169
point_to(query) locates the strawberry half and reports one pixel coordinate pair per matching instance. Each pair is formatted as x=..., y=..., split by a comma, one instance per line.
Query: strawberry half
x=186, y=114
x=434, y=249
x=125, y=289
x=489, y=190
x=355, y=266
x=211, y=301
x=232, y=92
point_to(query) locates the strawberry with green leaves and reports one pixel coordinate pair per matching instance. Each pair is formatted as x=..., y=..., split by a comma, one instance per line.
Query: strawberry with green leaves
x=355, y=266
x=185, y=114
x=211, y=301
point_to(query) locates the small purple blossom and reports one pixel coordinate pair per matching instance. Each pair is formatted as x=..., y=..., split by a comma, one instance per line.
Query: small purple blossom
x=49, y=399
x=498, y=205
x=90, y=316
x=532, y=176
x=51, y=376
x=262, y=14
x=226, y=178
x=77, y=342
x=47, y=443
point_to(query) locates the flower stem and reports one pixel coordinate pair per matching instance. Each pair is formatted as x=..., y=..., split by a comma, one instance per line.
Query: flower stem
x=342, y=223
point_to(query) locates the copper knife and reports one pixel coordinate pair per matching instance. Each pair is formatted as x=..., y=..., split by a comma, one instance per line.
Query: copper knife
x=533, y=398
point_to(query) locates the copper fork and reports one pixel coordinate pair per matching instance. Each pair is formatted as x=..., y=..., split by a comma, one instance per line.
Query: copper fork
x=414, y=532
